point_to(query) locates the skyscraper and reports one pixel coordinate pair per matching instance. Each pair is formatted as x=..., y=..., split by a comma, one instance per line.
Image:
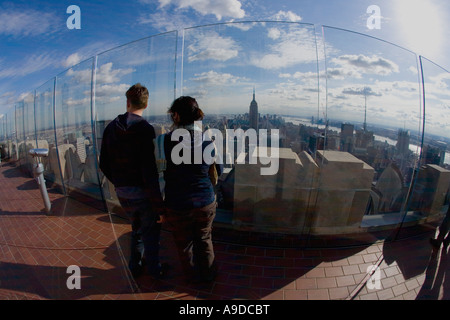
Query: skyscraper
x=403, y=141
x=347, y=137
x=253, y=114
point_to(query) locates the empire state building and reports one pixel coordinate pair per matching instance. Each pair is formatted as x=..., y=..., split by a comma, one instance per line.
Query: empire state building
x=253, y=114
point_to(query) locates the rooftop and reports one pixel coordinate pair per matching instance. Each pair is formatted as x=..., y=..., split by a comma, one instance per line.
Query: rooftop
x=36, y=250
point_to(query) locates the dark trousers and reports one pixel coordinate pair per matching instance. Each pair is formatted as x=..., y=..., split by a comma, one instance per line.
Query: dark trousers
x=191, y=231
x=444, y=228
x=145, y=233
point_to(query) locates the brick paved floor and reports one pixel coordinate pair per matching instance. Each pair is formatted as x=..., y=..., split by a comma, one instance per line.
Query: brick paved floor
x=36, y=249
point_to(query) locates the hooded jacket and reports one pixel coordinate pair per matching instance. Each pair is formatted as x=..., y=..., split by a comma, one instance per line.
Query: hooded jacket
x=127, y=156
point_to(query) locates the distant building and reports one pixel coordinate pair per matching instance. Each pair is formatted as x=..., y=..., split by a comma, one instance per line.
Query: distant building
x=364, y=138
x=403, y=141
x=431, y=155
x=347, y=137
x=253, y=114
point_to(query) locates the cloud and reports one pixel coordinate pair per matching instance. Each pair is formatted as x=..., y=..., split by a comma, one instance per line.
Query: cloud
x=300, y=75
x=31, y=64
x=213, y=78
x=289, y=48
x=211, y=46
x=219, y=8
x=286, y=16
x=86, y=52
x=358, y=65
x=361, y=91
x=105, y=74
x=165, y=21
x=27, y=22
x=72, y=60
x=108, y=90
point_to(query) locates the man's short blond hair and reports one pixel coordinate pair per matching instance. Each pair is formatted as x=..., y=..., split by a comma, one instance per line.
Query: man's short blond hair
x=138, y=96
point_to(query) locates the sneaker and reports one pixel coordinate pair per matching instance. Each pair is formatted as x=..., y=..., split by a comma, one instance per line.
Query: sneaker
x=435, y=243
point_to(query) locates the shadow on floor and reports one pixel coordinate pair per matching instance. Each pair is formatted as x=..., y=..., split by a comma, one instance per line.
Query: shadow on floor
x=50, y=282
x=412, y=255
x=437, y=282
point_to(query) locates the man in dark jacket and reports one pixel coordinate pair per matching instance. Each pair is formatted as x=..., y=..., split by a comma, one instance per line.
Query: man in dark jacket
x=127, y=159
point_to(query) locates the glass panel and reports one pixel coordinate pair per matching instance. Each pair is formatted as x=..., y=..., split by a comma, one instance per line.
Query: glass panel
x=262, y=78
x=74, y=136
x=430, y=196
x=149, y=61
x=45, y=131
x=373, y=133
x=3, y=137
x=29, y=130
x=20, y=133
x=11, y=134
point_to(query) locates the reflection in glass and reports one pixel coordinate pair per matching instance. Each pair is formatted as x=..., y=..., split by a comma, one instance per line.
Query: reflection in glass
x=10, y=145
x=45, y=133
x=430, y=197
x=74, y=136
x=373, y=119
x=341, y=121
x=259, y=77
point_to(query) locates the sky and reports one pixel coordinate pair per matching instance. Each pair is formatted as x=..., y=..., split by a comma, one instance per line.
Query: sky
x=36, y=44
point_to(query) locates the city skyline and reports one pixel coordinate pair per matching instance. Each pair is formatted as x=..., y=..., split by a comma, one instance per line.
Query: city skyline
x=155, y=17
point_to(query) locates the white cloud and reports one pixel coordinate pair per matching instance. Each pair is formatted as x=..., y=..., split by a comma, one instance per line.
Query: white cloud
x=212, y=47
x=274, y=33
x=110, y=90
x=105, y=74
x=361, y=91
x=30, y=64
x=291, y=47
x=213, y=78
x=72, y=60
x=164, y=21
x=28, y=22
x=286, y=16
x=358, y=65
x=219, y=8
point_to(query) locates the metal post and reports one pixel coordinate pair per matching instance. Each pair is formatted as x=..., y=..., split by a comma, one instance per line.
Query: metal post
x=37, y=154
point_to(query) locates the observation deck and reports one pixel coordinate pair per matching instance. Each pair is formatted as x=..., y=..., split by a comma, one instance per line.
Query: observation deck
x=362, y=169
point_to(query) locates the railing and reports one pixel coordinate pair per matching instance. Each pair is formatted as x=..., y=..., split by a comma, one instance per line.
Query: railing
x=362, y=123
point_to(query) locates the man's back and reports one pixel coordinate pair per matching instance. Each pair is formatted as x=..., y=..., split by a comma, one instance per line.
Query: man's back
x=127, y=153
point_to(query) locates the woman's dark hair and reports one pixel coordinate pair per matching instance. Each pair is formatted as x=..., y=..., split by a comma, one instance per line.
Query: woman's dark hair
x=187, y=109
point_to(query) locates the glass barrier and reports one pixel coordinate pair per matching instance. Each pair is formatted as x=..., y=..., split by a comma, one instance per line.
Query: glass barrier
x=29, y=131
x=372, y=134
x=3, y=137
x=11, y=144
x=149, y=61
x=257, y=82
x=319, y=139
x=45, y=131
x=74, y=134
x=430, y=198
x=2, y=127
x=20, y=132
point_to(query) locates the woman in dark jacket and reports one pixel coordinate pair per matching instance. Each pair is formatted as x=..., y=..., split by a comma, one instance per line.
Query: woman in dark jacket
x=189, y=193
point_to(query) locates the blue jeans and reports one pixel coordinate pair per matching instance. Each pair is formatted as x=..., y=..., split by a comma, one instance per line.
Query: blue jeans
x=145, y=233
